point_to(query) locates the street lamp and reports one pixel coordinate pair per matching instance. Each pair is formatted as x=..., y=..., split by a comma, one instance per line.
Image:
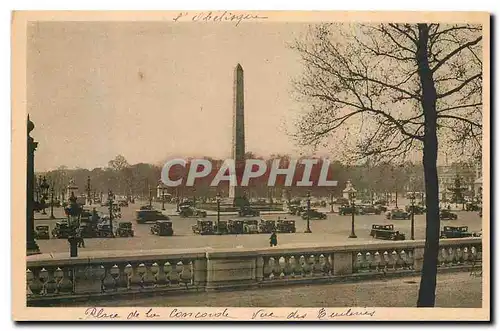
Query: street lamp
x=110, y=205
x=217, y=197
x=308, y=229
x=162, y=198
x=150, y=198
x=52, y=202
x=351, y=192
x=44, y=187
x=412, y=201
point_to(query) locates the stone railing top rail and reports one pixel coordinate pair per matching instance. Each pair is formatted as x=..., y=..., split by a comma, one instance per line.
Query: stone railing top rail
x=115, y=256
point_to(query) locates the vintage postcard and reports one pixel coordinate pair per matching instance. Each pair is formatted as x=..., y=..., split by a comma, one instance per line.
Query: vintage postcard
x=251, y=166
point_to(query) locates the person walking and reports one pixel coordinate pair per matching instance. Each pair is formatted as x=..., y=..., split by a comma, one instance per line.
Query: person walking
x=273, y=240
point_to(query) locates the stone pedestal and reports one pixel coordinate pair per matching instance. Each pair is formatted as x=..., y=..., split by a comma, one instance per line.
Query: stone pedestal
x=418, y=258
x=230, y=272
x=342, y=263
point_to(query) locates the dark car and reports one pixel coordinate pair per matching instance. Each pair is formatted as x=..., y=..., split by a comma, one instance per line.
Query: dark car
x=203, y=227
x=447, y=215
x=267, y=226
x=162, y=228
x=248, y=211
x=123, y=203
x=313, y=214
x=192, y=212
x=397, y=214
x=61, y=230
x=235, y=226
x=250, y=226
x=146, y=207
x=455, y=232
x=296, y=210
x=104, y=230
x=42, y=232
x=125, y=229
x=145, y=216
x=347, y=210
x=370, y=209
x=472, y=206
x=386, y=232
x=285, y=226
x=417, y=210
x=88, y=230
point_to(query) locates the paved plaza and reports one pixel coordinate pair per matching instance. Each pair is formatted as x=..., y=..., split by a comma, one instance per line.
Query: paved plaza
x=454, y=290
x=334, y=230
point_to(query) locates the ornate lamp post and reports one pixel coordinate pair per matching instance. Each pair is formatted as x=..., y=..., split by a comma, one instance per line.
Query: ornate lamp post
x=308, y=229
x=194, y=197
x=150, y=198
x=44, y=187
x=52, y=202
x=31, y=245
x=351, y=192
x=217, y=197
x=412, y=201
x=111, y=216
x=163, y=198
x=88, y=188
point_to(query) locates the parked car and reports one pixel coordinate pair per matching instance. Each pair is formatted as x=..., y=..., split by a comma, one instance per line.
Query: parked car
x=296, y=210
x=386, y=232
x=250, y=226
x=162, y=228
x=370, y=209
x=347, y=210
x=397, y=214
x=235, y=226
x=417, y=210
x=285, y=226
x=146, y=207
x=267, y=226
x=192, y=212
x=42, y=232
x=248, y=211
x=104, y=230
x=203, y=227
x=123, y=203
x=455, y=232
x=88, y=230
x=313, y=214
x=61, y=230
x=145, y=216
x=445, y=214
x=125, y=229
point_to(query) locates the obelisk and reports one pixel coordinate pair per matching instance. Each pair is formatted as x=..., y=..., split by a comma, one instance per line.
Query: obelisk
x=237, y=193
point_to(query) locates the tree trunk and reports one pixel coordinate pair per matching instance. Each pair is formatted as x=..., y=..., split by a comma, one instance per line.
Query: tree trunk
x=427, y=291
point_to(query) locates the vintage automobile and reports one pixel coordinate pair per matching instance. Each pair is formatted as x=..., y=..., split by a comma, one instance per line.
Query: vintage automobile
x=42, y=232
x=418, y=210
x=61, y=230
x=285, y=226
x=192, y=212
x=104, y=230
x=250, y=226
x=146, y=207
x=125, y=229
x=472, y=206
x=296, y=210
x=347, y=210
x=342, y=201
x=455, y=232
x=313, y=215
x=123, y=203
x=203, y=227
x=248, y=211
x=381, y=202
x=88, y=230
x=235, y=226
x=445, y=214
x=370, y=209
x=386, y=232
x=162, y=228
x=186, y=204
x=221, y=227
x=145, y=216
x=267, y=226
x=397, y=214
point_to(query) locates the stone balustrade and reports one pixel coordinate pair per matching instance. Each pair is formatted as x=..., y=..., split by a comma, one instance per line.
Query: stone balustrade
x=108, y=273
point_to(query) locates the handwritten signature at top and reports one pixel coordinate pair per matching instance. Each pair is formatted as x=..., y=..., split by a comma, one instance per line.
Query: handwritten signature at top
x=224, y=16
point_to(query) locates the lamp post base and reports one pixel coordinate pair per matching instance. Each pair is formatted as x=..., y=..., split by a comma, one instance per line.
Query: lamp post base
x=352, y=235
x=52, y=217
x=308, y=231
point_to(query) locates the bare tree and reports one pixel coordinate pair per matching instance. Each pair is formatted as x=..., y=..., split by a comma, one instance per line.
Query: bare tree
x=385, y=91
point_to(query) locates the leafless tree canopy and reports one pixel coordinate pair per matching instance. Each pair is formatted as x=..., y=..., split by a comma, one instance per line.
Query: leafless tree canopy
x=360, y=84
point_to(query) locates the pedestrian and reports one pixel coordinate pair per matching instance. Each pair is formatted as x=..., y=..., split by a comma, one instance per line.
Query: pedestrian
x=79, y=238
x=273, y=240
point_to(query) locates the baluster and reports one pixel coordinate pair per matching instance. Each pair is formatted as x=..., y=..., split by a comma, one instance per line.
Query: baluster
x=29, y=278
x=467, y=255
x=267, y=270
x=394, y=260
x=277, y=267
x=316, y=265
x=186, y=273
x=65, y=284
x=148, y=279
x=387, y=260
x=287, y=268
x=410, y=259
x=441, y=257
x=403, y=259
x=306, y=266
x=36, y=285
x=327, y=266
x=50, y=284
x=121, y=280
x=459, y=256
x=450, y=256
x=368, y=261
x=377, y=261
x=108, y=281
x=161, y=275
x=358, y=263
x=173, y=275
x=135, y=279
x=296, y=266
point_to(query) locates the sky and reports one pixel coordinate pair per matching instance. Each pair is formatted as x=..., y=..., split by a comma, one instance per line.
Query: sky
x=153, y=90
